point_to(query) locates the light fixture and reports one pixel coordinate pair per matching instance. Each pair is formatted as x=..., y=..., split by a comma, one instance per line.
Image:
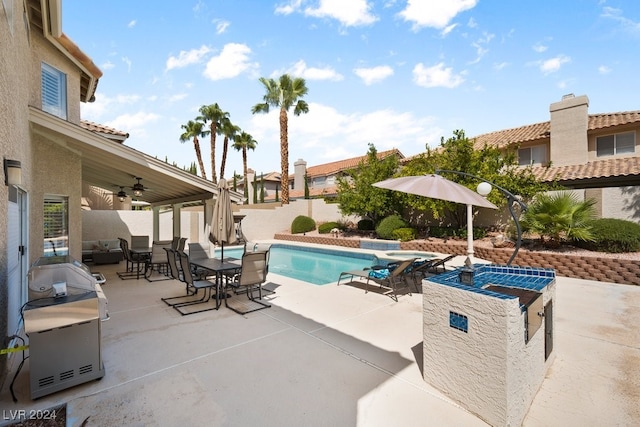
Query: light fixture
x=484, y=188
x=138, y=188
x=12, y=172
x=122, y=196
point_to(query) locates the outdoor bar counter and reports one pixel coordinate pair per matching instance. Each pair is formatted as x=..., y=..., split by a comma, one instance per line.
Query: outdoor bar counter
x=488, y=344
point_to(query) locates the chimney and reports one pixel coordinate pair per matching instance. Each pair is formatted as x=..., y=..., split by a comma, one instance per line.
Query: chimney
x=300, y=168
x=569, y=123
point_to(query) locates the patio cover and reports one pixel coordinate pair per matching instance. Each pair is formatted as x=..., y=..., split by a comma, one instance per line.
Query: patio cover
x=108, y=164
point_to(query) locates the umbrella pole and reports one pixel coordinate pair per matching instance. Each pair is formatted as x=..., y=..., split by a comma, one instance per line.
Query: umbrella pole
x=221, y=251
x=469, y=231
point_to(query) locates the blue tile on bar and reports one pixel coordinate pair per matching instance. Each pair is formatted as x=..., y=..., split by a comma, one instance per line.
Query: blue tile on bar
x=530, y=278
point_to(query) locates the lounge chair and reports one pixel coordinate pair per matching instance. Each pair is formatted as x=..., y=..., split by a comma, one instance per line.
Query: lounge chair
x=206, y=285
x=252, y=275
x=429, y=267
x=389, y=278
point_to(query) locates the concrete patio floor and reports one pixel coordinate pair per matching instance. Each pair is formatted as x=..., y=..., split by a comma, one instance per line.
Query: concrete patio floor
x=329, y=356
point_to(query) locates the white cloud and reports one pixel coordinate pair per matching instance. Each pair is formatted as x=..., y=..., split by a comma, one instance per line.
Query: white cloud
x=128, y=62
x=132, y=23
x=448, y=29
x=374, y=75
x=553, y=64
x=300, y=69
x=480, y=44
x=500, y=66
x=107, y=65
x=232, y=61
x=435, y=14
x=288, y=8
x=350, y=13
x=127, y=99
x=309, y=133
x=625, y=23
x=603, y=69
x=177, y=97
x=134, y=124
x=539, y=47
x=187, y=57
x=436, y=76
x=221, y=26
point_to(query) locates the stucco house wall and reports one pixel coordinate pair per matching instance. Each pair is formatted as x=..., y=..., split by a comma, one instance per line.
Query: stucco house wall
x=14, y=133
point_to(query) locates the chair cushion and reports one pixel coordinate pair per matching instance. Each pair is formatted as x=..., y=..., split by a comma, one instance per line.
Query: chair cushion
x=379, y=274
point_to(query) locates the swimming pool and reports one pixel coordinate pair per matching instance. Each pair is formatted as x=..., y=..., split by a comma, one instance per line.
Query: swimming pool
x=314, y=265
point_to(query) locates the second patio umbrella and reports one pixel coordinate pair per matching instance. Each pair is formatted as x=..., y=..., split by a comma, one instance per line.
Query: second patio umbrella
x=223, y=229
x=438, y=187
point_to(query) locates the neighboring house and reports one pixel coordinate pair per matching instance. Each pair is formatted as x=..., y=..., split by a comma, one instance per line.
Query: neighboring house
x=322, y=179
x=598, y=154
x=50, y=155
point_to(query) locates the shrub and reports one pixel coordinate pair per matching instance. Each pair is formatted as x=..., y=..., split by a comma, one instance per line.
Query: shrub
x=327, y=227
x=366, y=225
x=404, y=234
x=302, y=224
x=612, y=235
x=390, y=223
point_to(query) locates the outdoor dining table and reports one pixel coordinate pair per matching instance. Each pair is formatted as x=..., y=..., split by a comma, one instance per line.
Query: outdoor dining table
x=219, y=267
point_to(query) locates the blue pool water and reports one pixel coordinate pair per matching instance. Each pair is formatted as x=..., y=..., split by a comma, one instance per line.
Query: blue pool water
x=313, y=265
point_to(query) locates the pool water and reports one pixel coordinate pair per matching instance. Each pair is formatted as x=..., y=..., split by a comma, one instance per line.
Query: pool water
x=314, y=265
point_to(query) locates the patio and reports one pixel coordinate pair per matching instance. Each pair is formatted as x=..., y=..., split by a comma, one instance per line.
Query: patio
x=329, y=355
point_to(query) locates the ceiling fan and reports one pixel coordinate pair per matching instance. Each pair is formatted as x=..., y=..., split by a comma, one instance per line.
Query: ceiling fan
x=138, y=189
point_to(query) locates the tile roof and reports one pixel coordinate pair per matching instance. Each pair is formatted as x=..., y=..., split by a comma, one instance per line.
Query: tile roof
x=539, y=131
x=332, y=168
x=608, y=168
x=103, y=130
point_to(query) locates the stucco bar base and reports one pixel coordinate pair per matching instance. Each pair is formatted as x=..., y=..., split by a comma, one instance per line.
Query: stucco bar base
x=490, y=370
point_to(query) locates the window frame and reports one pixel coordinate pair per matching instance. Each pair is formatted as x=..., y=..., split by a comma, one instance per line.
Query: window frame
x=615, y=144
x=532, y=160
x=56, y=237
x=54, y=85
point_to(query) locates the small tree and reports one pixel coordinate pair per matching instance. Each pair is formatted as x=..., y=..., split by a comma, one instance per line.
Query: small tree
x=277, y=199
x=306, y=187
x=255, y=190
x=459, y=154
x=357, y=195
x=262, y=188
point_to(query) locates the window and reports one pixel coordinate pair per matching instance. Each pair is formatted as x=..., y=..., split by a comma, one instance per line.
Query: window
x=54, y=91
x=620, y=143
x=532, y=155
x=56, y=225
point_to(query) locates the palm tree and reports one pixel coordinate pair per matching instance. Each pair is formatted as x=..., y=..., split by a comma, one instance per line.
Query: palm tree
x=284, y=94
x=193, y=130
x=244, y=142
x=559, y=217
x=230, y=132
x=214, y=116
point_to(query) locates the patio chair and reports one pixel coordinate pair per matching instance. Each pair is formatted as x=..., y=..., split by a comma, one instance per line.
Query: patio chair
x=429, y=267
x=197, y=284
x=196, y=250
x=158, y=262
x=389, y=277
x=252, y=275
x=135, y=263
x=176, y=273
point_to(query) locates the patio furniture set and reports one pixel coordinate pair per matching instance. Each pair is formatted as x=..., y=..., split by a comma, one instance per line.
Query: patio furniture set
x=208, y=281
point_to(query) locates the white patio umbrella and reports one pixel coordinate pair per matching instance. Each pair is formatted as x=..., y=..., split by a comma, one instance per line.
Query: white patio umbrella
x=438, y=187
x=222, y=225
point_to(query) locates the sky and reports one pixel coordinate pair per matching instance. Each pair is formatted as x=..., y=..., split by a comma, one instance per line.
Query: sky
x=393, y=73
